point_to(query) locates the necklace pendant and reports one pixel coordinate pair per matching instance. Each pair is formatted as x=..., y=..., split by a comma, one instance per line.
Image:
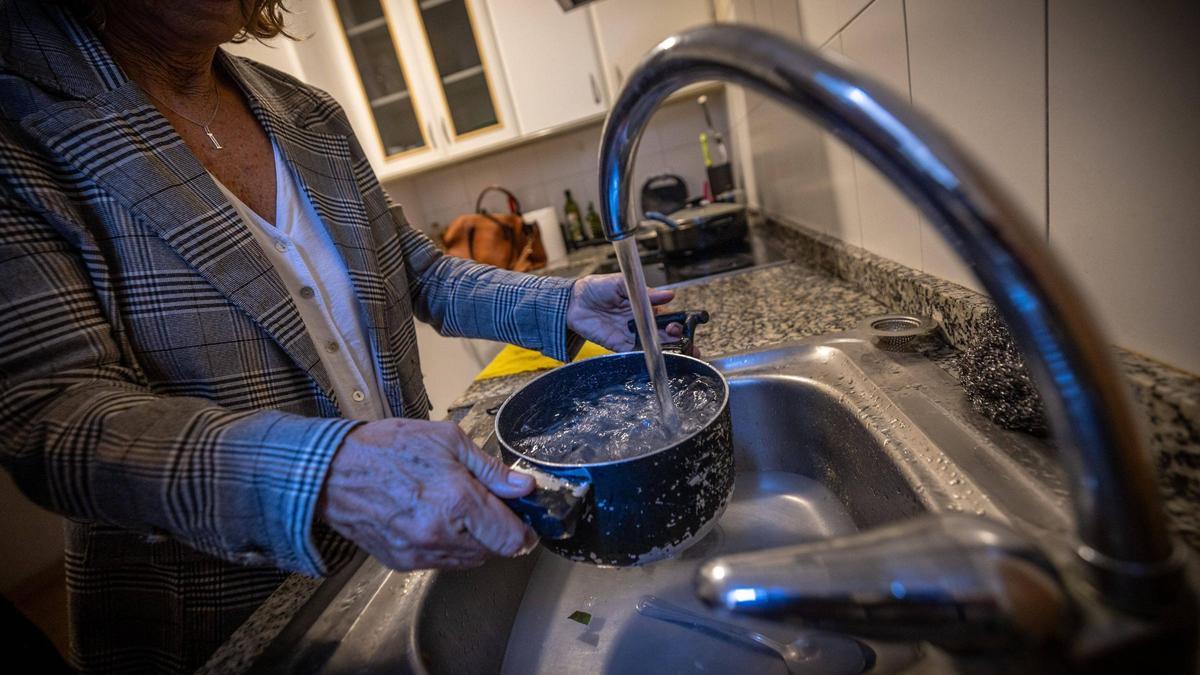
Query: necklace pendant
x=216, y=144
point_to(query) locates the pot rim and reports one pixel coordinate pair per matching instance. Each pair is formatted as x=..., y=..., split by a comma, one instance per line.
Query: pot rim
x=504, y=444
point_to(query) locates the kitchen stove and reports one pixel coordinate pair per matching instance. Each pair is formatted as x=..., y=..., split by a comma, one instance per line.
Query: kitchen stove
x=666, y=271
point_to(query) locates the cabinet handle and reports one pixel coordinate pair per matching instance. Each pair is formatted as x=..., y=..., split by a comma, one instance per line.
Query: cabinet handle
x=620, y=77
x=445, y=130
x=432, y=136
x=595, y=89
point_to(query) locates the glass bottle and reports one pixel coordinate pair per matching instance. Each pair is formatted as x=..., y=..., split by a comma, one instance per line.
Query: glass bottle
x=595, y=231
x=574, y=219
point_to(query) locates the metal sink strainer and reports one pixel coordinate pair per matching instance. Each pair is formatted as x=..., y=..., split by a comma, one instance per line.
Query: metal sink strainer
x=897, y=331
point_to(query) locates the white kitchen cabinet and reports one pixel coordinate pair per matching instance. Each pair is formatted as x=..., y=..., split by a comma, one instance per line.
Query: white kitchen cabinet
x=627, y=29
x=550, y=60
x=423, y=85
x=401, y=113
x=460, y=67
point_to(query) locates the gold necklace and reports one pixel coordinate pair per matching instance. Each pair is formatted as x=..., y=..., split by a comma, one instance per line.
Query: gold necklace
x=203, y=125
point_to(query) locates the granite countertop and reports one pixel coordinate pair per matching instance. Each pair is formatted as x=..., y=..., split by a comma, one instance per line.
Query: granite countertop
x=826, y=286
x=749, y=309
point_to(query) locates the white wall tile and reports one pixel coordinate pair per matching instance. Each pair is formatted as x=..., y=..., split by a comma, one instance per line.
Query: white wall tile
x=741, y=149
x=442, y=187
x=780, y=16
x=589, y=150
x=1124, y=163
x=779, y=139
x=647, y=165
x=444, y=215
x=851, y=9
x=846, y=224
x=820, y=19
x=678, y=124
x=482, y=173
x=519, y=167
x=561, y=156
x=875, y=43
x=688, y=162
x=584, y=186
x=978, y=68
x=404, y=193
x=812, y=191
x=939, y=259
x=533, y=197
x=788, y=161
x=840, y=159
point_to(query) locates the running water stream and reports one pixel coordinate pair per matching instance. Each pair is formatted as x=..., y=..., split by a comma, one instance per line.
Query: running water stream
x=643, y=316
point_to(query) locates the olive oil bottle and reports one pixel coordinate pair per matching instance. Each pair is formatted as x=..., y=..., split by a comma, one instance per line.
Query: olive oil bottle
x=595, y=231
x=574, y=219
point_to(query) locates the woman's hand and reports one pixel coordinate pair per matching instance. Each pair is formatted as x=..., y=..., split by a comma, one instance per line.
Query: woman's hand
x=599, y=311
x=417, y=494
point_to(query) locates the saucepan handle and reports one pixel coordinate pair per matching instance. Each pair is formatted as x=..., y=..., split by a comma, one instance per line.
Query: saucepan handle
x=684, y=345
x=556, y=504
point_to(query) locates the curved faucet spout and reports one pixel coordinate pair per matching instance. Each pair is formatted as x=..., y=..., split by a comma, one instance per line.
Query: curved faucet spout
x=1122, y=532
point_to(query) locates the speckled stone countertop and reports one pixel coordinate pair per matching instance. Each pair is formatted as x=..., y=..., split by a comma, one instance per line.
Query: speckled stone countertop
x=749, y=309
x=826, y=286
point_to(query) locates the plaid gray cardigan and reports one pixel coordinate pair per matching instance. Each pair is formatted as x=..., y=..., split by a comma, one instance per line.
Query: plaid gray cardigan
x=156, y=383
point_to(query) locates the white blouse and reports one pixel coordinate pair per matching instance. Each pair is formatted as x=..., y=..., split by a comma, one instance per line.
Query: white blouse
x=305, y=257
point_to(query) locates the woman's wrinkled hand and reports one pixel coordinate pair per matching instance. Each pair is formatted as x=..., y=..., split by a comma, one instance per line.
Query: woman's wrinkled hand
x=417, y=494
x=599, y=311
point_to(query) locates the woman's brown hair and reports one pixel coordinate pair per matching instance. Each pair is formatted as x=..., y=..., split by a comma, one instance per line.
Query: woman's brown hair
x=266, y=21
x=264, y=17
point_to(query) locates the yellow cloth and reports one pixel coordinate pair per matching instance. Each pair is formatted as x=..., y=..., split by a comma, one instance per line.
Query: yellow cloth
x=512, y=360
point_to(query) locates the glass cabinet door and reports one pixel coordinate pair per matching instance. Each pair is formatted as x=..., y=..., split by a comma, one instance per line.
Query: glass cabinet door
x=461, y=73
x=388, y=92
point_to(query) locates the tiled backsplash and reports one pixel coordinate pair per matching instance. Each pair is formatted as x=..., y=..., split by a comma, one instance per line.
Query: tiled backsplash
x=1084, y=110
x=538, y=172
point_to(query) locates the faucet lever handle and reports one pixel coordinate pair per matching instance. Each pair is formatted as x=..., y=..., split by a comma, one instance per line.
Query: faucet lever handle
x=686, y=344
x=957, y=580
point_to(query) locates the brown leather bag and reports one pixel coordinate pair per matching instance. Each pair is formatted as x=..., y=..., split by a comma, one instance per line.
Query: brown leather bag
x=503, y=240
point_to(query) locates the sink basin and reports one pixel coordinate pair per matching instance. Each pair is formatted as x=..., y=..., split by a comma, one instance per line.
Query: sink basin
x=831, y=435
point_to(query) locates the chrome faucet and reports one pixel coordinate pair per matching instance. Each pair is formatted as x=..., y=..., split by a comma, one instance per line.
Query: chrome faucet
x=1133, y=567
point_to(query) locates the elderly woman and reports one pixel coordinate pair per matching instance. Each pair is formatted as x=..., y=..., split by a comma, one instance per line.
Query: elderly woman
x=208, y=360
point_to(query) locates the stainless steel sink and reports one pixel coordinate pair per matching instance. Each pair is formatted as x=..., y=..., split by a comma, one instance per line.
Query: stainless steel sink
x=832, y=435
